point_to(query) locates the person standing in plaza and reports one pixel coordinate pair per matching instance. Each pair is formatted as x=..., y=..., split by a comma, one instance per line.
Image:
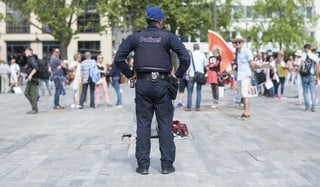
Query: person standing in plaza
x=198, y=63
x=14, y=73
x=86, y=80
x=282, y=70
x=153, y=67
x=115, y=77
x=4, y=76
x=31, y=90
x=57, y=76
x=214, y=63
x=75, y=66
x=308, y=81
x=245, y=73
x=102, y=83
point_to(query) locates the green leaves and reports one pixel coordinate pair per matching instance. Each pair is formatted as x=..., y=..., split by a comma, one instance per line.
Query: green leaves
x=285, y=23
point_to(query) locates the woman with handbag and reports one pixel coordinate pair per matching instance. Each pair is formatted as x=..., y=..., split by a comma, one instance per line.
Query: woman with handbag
x=213, y=66
x=76, y=85
x=102, y=83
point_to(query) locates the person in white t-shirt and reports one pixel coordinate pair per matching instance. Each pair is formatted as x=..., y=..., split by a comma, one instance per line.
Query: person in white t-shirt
x=308, y=81
x=14, y=73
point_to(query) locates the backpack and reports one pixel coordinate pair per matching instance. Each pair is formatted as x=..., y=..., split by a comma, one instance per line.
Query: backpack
x=94, y=73
x=179, y=129
x=43, y=70
x=305, y=69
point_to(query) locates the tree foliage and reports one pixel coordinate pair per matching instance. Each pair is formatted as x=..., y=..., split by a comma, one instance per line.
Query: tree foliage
x=58, y=16
x=283, y=22
x=186, y=18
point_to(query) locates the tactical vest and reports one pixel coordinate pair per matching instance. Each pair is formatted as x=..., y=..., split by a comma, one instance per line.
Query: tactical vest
x=152, y=51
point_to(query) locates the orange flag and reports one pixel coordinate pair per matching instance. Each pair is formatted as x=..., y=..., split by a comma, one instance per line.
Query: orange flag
x=227, y=56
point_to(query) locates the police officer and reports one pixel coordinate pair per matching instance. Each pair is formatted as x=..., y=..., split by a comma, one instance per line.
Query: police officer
x=152, y=65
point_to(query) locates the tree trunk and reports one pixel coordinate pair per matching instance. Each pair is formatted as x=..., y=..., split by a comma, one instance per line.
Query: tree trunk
x=64, y=49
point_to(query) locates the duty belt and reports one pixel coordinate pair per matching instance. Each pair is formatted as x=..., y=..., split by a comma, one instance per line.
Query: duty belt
x=153, y=76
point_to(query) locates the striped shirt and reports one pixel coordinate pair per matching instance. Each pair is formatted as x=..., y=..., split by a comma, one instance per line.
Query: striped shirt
x=85, y=67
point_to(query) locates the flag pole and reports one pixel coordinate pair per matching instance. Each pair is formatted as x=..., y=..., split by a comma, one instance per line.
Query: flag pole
x=214, y=16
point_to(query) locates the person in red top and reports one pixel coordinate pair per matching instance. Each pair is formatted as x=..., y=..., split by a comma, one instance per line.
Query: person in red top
x=213, y=66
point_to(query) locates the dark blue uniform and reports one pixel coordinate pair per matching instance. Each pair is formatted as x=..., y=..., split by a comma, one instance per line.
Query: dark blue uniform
x=152, y=53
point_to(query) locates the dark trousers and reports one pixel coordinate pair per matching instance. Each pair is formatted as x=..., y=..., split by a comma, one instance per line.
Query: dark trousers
x=84, y=93
x=153, y=97
x=31, y=93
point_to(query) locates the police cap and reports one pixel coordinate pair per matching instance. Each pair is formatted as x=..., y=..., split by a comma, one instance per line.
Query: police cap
x=154, y=13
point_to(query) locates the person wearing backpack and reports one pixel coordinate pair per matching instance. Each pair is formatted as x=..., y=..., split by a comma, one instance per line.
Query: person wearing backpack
x=86, y=66
x=308, y=76
x=31, y=90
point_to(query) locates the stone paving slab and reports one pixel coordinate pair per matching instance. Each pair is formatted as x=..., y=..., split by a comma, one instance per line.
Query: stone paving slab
x=278, y=146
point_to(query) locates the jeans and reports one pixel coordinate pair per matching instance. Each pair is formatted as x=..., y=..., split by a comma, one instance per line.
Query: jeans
x=275, y=85
x=84, y=93
x=308, y=84
x=190, y=90
x=282, y=81
x=116, y=85
x=59, y=87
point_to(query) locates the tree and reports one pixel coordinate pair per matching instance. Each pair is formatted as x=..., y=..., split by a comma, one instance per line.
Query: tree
x=184, y=18
x=57, y=17
x=284, y=22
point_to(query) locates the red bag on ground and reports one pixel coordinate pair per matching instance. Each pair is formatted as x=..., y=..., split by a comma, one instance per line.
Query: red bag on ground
x=179, y=128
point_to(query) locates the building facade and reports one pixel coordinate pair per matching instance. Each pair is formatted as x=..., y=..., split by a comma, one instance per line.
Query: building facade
x=15, y=37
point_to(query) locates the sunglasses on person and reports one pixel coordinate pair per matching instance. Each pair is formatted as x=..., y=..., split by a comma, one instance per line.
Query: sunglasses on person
x=237, y=42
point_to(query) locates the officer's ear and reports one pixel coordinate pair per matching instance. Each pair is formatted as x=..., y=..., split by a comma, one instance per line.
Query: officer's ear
x=160, y=23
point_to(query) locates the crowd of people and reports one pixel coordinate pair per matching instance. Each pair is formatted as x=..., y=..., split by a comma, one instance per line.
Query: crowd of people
x=28, y=76
x=270, y=72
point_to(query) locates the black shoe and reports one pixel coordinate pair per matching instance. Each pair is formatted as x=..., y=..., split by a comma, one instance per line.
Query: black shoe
x=61, y=107
x=142, y=171
x=168, y=170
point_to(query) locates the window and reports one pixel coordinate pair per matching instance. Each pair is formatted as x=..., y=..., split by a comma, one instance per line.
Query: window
x=47, y=49
x=309, y=12
x=312, y=34
x=16, y=50
x=248, y=12
x=238, y=12
x=92, y=46
x=45, y=28
x=89, y=20
x=16, y=23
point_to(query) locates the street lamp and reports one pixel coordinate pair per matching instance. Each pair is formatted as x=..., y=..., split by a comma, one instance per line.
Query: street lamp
x=214, y=16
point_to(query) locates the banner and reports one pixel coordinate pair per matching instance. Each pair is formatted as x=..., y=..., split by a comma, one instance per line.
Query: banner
x=226, y=53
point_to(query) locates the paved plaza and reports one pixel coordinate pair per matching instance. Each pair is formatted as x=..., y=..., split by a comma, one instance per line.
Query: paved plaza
x=279, y=146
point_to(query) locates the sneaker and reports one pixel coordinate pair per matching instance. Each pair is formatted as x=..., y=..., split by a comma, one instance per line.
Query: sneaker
x=187, y=109
x=313, y=110
x=118, y=106
x=32, y=112
x=215, y=105
x=197, y=109
x=73, y=106
x=282, y=97
x=179, y=105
